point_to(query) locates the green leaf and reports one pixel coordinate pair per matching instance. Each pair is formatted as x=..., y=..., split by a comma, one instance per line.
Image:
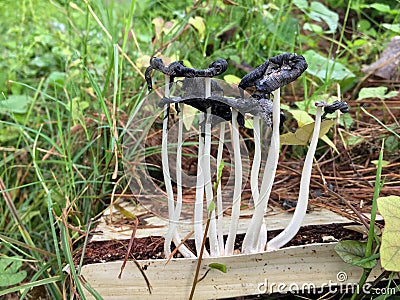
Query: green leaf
x=389, y=207
x=301, y=4
x=313, y=27
x=232, y=79
x=199, y=24
x=325, y=68
x=303, y=134
x=392, y=27
x=211, y=207
x=8, y=133
x=9, y=274
x=17, y=104
x=56, y=79
x=218, y=266
x=319, y=12
x=248, y=123
x=376, y=92
x=353, y=252
x=301, y=116
x=384, y=8
x=384, y=162
x=346, y=120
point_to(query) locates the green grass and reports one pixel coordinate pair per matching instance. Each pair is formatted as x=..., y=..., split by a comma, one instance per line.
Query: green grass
x=72, y=92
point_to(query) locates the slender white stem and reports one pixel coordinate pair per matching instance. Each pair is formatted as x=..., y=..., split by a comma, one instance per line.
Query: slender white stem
x=220, y=209
x=173, y=222
x=173, y=215
x=291, y=230
x=214, y=249
x=256, y=232
x=230, y=242
x=213, y=238
x=198, y=206
x=255, y=168
x=166, y=174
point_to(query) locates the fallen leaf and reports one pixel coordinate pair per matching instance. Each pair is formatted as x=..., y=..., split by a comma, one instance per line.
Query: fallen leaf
x=389, y=207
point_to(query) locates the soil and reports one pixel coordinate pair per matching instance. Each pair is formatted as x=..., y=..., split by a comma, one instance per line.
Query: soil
x=152, y=247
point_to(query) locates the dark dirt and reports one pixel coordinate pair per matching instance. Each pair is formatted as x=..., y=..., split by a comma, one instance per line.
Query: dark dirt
x=152, y=247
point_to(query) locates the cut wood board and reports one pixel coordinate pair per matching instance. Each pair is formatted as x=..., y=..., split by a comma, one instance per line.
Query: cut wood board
x=114, y=226
x=289, y=269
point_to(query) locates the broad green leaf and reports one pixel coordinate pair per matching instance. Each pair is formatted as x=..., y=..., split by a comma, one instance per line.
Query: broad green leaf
x=218, y=266
x=303, y=134
x=379, y=6
x=376, y=92
x=389, y=207
x=17, y=104
x=248, y=123
x=302, y=117
x=198, y=23
x=313, y=27
x=232, y=79
x=346, y=120
x=353, y=252
x=320, y=12
x=325, y=68
x=9, y=274
x=56, y=79
x=352, y=140
x=8, y=133
x=392, y=27
x=301, y=4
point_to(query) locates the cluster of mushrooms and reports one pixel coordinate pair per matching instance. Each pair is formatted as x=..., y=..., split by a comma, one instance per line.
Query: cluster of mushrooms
x=203, y=93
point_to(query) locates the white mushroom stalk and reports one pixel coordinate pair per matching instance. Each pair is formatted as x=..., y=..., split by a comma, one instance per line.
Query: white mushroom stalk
x=198, y=206
x=173, y=213
x=230, y=242
x=220, y=209
x=291, y=230
x=213, y=239
x=255, y=238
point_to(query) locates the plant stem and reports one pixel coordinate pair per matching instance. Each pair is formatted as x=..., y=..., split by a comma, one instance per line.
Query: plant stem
x=172, y=233
x=256, y=232
x=230, y=242
x=374, y=208
x=200, y=258
x=290, y=231
x=214, y=249
x=198, y=207
x=220, y=211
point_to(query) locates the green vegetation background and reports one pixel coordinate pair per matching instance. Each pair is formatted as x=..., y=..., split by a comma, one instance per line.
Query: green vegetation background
x=58, y=107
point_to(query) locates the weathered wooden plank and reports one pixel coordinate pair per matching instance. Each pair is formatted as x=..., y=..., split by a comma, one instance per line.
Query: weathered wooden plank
x=118, y=228
x=284, y=270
